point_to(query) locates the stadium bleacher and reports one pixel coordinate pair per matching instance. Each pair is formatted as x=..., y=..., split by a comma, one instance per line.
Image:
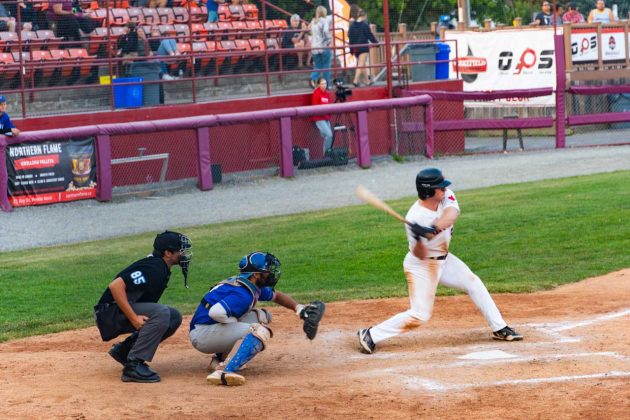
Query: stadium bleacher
x=229, y=45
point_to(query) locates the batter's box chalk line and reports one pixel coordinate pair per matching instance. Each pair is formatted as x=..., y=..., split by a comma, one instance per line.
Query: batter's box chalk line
x=416, y=384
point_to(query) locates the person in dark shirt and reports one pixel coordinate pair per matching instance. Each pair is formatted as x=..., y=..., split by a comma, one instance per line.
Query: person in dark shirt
x=545, y=18
x=129, y=305
x=6, y=126
x=360, y=34
x=295, y=37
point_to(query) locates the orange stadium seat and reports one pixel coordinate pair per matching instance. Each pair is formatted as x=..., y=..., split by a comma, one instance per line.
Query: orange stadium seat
x=225, y=29
x=182, y=32
x=254, y=28
x=202, y=61
x=84, y=61
x=199, y=31
x=135, y=15
x=236, y=12
x=238, y=27
x=167, y=17
x=8, y=69
x=198, y=13
x=280, y=24
x=224, y=13
x=181, y=15
x=251, y=11
x=48, y=38
x=212, y=29
x=27, y=69
x=118, y=17
x=9, y=42
x=167, y=30
x=100, y=14
x=256, y=44
x=64, y=63
x=43, y=63
x=29, y=40
x=151, y=16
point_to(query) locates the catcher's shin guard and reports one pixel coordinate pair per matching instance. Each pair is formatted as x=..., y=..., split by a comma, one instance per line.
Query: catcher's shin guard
x=252, y=344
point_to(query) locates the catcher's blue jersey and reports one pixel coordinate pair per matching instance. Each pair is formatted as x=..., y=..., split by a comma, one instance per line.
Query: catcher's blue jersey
x=237, y=295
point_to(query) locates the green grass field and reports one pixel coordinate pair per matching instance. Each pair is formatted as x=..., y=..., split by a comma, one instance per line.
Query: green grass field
x=517, y=238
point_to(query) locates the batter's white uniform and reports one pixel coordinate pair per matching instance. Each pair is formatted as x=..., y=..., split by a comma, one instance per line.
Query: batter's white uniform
x=423, y=276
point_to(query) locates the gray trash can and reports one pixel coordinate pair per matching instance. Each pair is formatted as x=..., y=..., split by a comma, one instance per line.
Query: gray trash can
x=150, y=72
x=620, y=103
x=422, y=52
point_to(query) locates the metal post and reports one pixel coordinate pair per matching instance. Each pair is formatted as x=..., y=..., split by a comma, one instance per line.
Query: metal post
x=388, y=48
x=286, y=148
x=204, y=162
x=19, y=33
x=104, y=167
x=560, y=88
x=264, y=19
x=364, y=157
x=4, y=177
x=463, y=12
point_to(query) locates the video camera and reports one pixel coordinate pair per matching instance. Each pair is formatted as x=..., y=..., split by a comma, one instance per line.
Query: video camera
x=341, y=92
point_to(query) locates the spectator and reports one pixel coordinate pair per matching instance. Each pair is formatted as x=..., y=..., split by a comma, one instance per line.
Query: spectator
x=559, y=13
x=6, y=126
x=572, y=15
x=69, y=23
x=354, y=12
x=166, y=47
x=296, y=38
x=7, y=23
x=236, y=9
x=27, y=13
x=157, y=3
x=213, y=8
x=601, y=14
x=545, y=18
x=320, y=46
x=321, y=96
x=360, y=33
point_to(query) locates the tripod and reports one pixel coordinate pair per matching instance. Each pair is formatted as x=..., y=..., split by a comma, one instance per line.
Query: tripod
x=342, y=123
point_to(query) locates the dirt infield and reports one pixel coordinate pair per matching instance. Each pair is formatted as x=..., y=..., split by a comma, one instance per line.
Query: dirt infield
x=574, y=362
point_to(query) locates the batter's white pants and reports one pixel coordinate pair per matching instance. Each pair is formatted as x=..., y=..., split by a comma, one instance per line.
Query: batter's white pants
x=423, y=277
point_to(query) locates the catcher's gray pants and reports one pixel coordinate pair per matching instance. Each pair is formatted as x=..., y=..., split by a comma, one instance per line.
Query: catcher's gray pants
x=162, y=323
x=220, y=338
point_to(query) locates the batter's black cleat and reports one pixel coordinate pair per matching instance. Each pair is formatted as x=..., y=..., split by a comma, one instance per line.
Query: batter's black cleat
x=507, y=334
x=139, y=371
x=365, y=340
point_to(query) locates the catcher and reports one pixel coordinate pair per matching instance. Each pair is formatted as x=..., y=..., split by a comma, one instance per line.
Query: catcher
x=228, y=325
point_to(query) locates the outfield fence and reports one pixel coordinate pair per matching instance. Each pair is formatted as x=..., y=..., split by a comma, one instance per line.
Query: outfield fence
x=193, y=147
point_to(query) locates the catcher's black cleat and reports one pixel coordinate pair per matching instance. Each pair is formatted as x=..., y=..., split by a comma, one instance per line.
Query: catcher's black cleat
x=507, y=334
x=365, y=340
x=138, y=371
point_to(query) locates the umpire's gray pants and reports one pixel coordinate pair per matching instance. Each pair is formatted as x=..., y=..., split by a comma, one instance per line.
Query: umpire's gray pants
x=220, y=338
x=162, y=323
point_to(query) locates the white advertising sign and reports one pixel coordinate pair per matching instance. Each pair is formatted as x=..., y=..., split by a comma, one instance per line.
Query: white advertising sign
x=506, y=60
x=584, y=45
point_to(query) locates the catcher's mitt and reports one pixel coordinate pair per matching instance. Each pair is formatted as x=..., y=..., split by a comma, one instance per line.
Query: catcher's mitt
x=312, y=314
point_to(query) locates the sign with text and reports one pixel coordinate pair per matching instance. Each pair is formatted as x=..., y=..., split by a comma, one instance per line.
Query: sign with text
x=505, y=60
x=584, y=45
x=51, y=172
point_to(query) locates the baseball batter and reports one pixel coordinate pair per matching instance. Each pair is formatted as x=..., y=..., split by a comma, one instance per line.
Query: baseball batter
x=227, y=323
x=429, y=263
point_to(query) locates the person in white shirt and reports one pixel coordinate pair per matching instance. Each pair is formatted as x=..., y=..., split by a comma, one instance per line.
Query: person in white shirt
x=429, y=263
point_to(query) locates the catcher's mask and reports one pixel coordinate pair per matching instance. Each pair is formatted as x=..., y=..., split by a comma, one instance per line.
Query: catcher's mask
x=428, y=180
x=264, y=263
x=175, y=242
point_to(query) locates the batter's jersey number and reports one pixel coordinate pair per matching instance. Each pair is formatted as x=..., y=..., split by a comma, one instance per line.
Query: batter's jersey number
x=138, y=277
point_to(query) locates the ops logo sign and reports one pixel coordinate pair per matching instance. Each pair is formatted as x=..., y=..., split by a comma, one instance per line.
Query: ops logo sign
x=584, y=46
x=527, y=60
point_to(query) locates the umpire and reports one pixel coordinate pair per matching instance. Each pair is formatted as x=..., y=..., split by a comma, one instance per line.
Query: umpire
x=129, y=305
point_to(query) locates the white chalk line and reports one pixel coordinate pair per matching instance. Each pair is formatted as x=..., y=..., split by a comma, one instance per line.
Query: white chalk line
x=564, y=326
x=415, y=383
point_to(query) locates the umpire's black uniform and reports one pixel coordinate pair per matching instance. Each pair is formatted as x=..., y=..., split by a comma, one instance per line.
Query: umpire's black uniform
x=144, y=282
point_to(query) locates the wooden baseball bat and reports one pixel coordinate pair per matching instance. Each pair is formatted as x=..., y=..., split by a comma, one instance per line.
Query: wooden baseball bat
x=367, y=196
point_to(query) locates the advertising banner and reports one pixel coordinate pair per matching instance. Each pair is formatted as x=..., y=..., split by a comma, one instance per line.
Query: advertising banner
x=51, y=172
x=584, y=45
x=505, y=60
x=342, y=25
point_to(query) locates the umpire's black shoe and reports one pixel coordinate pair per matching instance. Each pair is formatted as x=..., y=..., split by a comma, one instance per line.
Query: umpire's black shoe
x=139, y=371
x=120, y=351
x=365, y=340
x=507, y=334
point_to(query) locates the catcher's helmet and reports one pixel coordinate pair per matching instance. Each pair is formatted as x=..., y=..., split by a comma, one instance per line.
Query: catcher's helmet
x=427, y=180
x=261, y=262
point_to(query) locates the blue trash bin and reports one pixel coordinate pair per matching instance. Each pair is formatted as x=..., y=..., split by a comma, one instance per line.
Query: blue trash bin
x=128, y=96
x=620, y=103
x=441, y=69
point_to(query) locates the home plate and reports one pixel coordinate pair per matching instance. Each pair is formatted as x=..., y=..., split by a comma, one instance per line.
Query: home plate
x=488, y=355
